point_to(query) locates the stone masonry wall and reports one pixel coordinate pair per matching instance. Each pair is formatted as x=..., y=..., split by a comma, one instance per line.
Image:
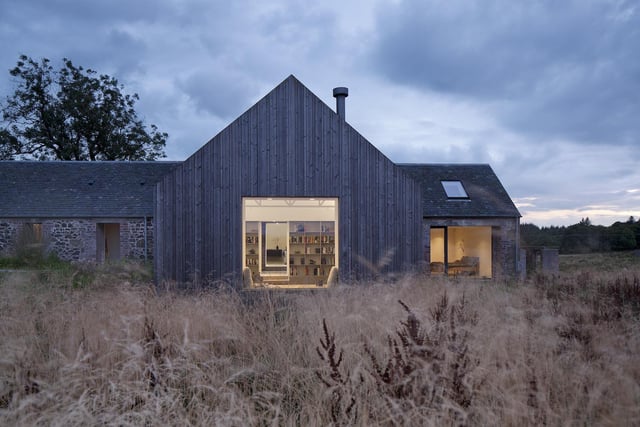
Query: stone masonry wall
x=8, y=234
x=71, y=239
x=132, y=238
x=76, y=239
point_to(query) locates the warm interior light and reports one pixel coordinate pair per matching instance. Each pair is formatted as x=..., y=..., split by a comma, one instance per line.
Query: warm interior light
x=290, y=242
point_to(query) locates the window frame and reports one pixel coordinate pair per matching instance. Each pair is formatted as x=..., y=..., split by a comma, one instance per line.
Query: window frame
x=459, y=187
x=303, y=268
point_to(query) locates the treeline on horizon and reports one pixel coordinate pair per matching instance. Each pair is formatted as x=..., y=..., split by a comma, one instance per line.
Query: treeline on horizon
x=583, y=237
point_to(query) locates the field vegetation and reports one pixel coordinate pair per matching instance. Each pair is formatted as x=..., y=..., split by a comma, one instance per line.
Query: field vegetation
x=111, y=349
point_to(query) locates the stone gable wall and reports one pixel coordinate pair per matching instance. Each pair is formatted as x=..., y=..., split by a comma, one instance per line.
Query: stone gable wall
x=76, y=239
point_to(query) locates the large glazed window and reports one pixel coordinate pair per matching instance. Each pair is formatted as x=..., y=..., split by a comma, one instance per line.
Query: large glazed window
x=290, y=242
x=461, y=251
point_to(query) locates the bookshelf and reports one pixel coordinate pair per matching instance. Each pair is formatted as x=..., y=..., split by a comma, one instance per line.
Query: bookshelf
x=252, y=244
x=311, y=251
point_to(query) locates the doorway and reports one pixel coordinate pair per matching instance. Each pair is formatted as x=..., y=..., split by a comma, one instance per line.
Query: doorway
x=274, y=241
x=108, y=242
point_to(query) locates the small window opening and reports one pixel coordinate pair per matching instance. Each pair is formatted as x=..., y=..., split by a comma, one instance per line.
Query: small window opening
x=454, y=190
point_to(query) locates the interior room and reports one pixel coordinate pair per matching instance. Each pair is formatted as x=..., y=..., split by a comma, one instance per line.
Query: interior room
x=461, y=251
x=290, y=242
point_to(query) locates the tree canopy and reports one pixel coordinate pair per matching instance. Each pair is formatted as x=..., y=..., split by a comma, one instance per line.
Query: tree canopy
x=73, y=114
x=584, y=237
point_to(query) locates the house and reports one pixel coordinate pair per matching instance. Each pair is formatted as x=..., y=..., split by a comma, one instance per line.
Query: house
x=290, y=195
x=82, y=211
x=470, y=224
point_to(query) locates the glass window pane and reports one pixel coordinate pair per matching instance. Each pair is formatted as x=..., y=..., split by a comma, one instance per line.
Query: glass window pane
x=454, y=189
x=290, y=242
x=469, y=251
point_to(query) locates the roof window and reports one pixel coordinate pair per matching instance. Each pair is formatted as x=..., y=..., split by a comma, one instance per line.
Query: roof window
x=454, y=190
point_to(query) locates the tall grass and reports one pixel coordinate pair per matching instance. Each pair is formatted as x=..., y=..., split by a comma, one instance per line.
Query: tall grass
x=559, y=350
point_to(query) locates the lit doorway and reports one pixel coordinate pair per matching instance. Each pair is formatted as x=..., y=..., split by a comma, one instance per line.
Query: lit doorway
x=274, y=247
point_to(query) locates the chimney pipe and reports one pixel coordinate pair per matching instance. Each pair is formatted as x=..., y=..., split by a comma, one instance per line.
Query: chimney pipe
x=340, y=93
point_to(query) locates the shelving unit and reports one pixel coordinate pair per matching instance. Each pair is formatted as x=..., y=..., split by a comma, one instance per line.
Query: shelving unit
x=252, y=252
x=311, y=251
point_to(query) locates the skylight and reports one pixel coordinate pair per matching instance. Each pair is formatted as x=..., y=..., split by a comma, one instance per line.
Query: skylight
x=454, y=190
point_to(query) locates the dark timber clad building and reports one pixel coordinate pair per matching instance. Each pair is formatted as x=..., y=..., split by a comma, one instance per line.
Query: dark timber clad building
x=288, y=191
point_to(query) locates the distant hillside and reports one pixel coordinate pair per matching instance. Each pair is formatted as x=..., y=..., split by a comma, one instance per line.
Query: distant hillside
x=583, y=237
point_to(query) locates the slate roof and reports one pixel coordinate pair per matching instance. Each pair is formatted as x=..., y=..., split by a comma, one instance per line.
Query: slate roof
x=73, y=189
x=487, y=196
x=32, y=189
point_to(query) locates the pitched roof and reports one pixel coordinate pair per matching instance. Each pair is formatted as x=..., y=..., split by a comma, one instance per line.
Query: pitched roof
x=487, y=196
x=73, y=189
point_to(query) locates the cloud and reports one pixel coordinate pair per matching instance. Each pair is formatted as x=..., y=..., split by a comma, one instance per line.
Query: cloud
x=99, y=11
x=546, y=68
x=545, y=92
x=219, y=92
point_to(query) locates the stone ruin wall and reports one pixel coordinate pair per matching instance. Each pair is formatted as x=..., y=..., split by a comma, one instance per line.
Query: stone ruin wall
x=76, y=239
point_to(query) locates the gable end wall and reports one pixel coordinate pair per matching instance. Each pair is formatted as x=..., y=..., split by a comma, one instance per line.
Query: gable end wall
x=290, y=144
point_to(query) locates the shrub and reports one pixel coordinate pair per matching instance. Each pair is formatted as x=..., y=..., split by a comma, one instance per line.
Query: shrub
x=426, y=369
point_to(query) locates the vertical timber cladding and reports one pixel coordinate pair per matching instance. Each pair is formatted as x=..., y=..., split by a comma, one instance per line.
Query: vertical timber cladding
x=289, y=144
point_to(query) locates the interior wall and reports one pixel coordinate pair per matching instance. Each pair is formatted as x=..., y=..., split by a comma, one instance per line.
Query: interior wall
x=290, y=213
x=437, y=245
x=276, y=235
x=471, y=242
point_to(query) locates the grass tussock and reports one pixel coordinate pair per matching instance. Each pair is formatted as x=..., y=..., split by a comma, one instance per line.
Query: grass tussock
x=556, y=351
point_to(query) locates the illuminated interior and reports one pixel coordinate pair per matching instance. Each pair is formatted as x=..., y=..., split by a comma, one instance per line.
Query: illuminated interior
x=467, y=249
x=289, y=242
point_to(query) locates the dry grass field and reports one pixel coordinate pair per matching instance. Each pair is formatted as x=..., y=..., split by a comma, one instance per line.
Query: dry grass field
x=110, y=350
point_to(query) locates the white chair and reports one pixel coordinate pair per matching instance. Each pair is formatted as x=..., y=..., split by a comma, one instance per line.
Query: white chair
x=333, y=276
x=247, y=279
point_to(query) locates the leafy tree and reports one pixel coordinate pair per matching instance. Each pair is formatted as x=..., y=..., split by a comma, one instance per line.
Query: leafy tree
x=73, y=114
x=622, y=236
x=8, y=145
x=531, y=235
x=583, y=238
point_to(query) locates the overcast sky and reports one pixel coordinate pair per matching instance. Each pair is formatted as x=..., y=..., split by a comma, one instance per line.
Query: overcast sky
x=547, y=92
